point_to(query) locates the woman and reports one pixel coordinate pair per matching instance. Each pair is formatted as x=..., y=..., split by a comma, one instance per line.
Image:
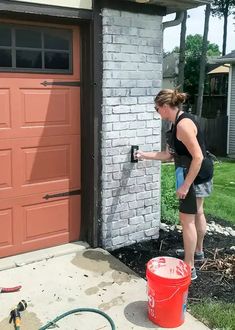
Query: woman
x=186, y=146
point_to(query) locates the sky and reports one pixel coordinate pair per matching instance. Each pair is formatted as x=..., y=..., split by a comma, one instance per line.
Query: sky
x=195, y=24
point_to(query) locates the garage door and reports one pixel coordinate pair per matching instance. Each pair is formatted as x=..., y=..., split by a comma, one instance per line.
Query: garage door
x=39, y=137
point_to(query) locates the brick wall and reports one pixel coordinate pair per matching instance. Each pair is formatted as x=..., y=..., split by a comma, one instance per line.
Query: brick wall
x=132, y=75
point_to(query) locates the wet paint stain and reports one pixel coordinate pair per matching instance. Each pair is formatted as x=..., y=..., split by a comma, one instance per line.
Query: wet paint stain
x=118, y=301
x=91, y=291
x=99, y=261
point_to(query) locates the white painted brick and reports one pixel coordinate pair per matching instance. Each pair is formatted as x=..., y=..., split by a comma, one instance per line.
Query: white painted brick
x=120, y=224
x=111, y=101
x=136, y=236
x=132, y=76
x=137, y=124
x=145, y=116
x=145, y=132
x=111, y=12
x=127, y=230
x=144, y=211
x=128, y=214
x=136, y=205
x=119, y=240
x=152, y=232
x=129, y=134
x=108, y=65
x=120, y=142
x=119, y=159
x=129, y=49
x=129, y=100
x=121, y=126
x=120, y=92
x=138, y=91
x=110, y=118
x=143, y=195
x=151, y=202
x=136, y=189
x=111, y=168
x=112, y=135
x=114, y=30
x=110, y=185
x=131, y=31
x=144, y=179
x=128, y=83
x=111, y=48
x=136, y=220
x=107, y=92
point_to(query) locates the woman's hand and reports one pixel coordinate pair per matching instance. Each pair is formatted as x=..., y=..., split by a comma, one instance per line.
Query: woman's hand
x=140, y=155
x=181, y=193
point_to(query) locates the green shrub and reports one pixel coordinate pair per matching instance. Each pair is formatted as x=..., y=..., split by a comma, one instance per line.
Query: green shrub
x=169, y=202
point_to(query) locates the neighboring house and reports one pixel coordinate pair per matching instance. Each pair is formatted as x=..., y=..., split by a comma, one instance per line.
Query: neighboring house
x=170, y=70
x=77, y=81
x=230, y=59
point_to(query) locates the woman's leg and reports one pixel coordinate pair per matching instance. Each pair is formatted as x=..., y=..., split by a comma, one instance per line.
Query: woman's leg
x=200, y=223
x=189, y=236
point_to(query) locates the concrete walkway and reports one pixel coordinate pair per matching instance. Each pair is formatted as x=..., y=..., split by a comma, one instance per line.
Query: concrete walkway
x=70, y=276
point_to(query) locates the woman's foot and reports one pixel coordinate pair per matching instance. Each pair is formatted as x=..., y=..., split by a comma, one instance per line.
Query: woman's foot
x=193, y=274
x=198, y=256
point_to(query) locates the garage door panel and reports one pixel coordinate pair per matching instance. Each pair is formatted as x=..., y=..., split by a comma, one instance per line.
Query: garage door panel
x=5, y=109
x=44, y=164
x=6, y=179
x=41, y=165
x=38, y=111
x=45, y=219
x=45, y=108
x=6, y=224
x=29, y=223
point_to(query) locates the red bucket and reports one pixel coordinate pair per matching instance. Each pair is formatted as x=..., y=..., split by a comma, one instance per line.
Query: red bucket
x=168, y=280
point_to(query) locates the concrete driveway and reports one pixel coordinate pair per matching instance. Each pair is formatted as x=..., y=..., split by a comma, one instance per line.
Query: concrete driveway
x=70, y=276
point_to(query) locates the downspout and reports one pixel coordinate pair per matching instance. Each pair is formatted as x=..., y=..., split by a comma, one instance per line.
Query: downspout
x=179, y=16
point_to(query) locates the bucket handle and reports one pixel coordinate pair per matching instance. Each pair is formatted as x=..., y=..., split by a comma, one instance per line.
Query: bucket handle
x=166, y=299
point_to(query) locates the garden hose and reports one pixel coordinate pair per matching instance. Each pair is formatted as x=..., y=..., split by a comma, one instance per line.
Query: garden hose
x=92, y=310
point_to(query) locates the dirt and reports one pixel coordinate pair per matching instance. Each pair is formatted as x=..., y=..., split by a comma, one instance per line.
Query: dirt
x=216, y=275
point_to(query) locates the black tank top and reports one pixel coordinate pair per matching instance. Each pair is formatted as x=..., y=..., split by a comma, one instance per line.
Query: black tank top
x=180, y=148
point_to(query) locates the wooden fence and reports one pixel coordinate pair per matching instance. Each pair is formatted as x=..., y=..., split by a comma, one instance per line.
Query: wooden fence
x=214, y=130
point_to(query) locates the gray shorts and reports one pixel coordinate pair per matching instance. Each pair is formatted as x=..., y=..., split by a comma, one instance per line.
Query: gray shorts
x=203, y=189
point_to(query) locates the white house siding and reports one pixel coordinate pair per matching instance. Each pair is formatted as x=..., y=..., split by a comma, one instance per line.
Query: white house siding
x=132, y=75
x=79, y=4
x=231, y=140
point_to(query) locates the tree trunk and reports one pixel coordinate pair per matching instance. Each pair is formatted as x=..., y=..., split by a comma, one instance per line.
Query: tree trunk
x=225, y=30
x=182, y=53
x=203, y=62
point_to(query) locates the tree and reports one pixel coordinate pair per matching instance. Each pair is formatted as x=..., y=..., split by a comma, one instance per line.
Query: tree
x=193, y=52
x=203, y=62
x=182, y=52
x=223, y=8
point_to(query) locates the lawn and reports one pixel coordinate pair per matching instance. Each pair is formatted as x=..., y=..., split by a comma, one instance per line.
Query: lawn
x=220, y=205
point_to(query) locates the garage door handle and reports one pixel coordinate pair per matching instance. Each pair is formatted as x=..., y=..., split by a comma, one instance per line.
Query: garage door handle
x=63, y=194
x=61, y=83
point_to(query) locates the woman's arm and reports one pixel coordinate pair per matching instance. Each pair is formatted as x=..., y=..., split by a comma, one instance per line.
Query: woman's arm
x=187, y=134
x=154, y=155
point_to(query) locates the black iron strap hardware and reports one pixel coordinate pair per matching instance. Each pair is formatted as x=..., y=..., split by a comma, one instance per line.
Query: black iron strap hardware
x=61, y=83
x=63, y=194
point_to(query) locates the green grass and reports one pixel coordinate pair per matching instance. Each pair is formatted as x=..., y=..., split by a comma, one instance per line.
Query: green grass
x=220, y=204
x=216, y=315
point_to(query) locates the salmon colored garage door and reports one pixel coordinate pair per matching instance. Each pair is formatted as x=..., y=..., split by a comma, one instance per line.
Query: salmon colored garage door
x=39, y=137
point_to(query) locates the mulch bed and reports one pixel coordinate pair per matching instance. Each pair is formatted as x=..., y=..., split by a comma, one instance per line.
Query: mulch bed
x=216, y=275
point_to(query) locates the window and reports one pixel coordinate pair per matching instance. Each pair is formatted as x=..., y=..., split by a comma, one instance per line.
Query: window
x=35, y=49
